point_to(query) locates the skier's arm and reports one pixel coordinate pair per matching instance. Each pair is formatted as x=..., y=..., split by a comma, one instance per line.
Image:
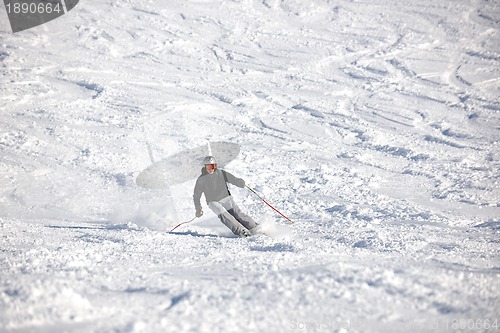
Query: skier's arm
x=234, y=180
x=197, y=195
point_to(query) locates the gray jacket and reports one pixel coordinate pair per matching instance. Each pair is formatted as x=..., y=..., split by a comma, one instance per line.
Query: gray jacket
x=214, y=186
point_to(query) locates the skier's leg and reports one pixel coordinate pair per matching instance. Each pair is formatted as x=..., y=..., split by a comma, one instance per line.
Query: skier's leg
x=227, y=219
x=236, y=227
x=241, y=217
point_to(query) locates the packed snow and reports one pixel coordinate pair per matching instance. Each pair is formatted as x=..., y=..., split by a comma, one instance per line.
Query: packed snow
x=373, y=125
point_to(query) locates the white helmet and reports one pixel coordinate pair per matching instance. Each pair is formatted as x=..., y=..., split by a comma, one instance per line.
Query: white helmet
x=209, y=160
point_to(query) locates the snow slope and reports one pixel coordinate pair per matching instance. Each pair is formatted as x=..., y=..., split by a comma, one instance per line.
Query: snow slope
x=374, y=125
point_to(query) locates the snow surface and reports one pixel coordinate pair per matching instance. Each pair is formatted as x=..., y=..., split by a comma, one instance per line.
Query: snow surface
x=374, y=125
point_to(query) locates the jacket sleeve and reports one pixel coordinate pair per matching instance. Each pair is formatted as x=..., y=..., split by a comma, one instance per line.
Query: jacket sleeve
x=198, y=190
x=234, y=180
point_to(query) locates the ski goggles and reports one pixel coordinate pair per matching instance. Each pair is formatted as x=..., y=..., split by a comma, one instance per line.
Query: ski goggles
x=210, y=167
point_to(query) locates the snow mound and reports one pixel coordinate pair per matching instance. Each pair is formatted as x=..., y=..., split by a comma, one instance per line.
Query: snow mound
x=274, y=229
x=41, y=303
x=153, y=216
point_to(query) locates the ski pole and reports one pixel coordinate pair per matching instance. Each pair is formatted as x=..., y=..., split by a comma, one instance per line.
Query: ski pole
x=182, y=224
x=267, y=203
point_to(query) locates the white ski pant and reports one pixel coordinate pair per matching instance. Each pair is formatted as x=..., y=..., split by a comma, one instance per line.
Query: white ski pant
x=232, y=216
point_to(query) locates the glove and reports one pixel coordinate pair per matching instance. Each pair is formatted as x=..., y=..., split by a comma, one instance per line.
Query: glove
x=241, y=183
x=199, y=212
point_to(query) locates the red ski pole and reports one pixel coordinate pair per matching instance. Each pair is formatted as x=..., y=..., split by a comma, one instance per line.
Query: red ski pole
x=267, y=203
x=182, y=224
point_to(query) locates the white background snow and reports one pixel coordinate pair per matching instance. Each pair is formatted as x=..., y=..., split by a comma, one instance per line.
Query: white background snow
x=374, y=125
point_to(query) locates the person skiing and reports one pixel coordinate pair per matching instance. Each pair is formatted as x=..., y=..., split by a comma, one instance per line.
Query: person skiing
x=213, y=183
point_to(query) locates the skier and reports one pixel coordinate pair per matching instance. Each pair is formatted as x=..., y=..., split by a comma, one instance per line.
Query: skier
x=213, y=183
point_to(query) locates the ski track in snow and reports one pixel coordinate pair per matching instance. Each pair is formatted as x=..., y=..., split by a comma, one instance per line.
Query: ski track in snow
x=373, y=125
